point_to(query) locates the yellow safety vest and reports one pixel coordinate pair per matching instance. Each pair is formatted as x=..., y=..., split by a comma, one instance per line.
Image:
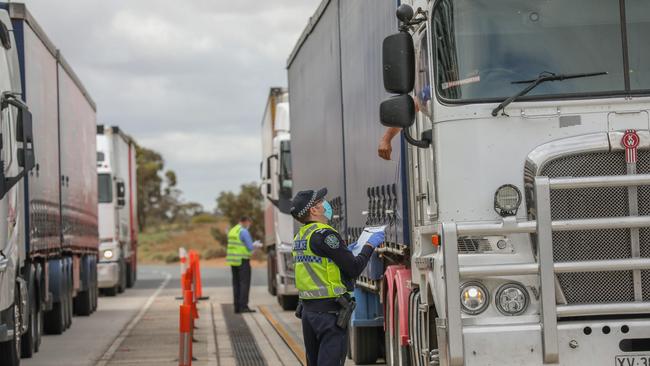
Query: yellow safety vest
x=316, y=277
x=237, y=250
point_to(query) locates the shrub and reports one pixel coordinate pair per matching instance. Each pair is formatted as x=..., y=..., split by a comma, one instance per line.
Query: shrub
x=204, y=218
x=172, y=258
x=212, y=253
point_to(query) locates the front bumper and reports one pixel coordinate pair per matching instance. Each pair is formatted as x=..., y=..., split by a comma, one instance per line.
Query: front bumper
x=516, y=345
x=108, y=274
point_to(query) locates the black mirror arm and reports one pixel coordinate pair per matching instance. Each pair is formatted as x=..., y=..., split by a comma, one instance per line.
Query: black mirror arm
x=274, y=202
x=422, y=144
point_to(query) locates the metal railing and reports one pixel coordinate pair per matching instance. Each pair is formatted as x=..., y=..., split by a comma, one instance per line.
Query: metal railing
x=545, y=267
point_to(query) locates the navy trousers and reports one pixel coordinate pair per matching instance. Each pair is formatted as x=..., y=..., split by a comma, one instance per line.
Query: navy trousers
x=325, y=343
x=241, y=284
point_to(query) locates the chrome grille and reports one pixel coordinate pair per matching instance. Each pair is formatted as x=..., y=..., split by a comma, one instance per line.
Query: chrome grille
x=597, y=287
x=470, y=245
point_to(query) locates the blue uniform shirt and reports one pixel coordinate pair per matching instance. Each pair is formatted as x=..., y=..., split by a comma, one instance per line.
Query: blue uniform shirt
x=245, y=237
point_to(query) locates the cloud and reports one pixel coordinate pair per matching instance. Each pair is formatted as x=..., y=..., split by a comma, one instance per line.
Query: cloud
x=188, y=79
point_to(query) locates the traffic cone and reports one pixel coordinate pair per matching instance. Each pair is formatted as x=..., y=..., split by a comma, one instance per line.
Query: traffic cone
x=185, y=346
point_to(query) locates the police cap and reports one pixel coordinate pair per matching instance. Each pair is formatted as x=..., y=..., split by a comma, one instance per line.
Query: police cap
x=304, y=200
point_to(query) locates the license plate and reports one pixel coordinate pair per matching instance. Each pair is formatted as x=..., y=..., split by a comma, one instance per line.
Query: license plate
x=638, y=360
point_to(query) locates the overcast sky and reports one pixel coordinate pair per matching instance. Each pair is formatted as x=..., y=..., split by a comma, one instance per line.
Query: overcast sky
x=188, y=78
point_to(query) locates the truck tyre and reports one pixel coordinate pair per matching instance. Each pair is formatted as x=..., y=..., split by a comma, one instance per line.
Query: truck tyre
x=130, y=275
x=402, y=354
x=121, y=287
x=55, y=319
x=68, y=296
x=364, y=345
x=29, y=339
x=271, y=272
x=111, y=291
x=288, y=302
x=83, y=303
x=10, y=351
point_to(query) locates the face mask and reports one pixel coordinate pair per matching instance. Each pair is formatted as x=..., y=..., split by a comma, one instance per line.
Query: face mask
x=328, y=210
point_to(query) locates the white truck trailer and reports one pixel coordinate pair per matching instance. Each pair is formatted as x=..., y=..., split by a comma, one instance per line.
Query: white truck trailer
x=277, y=182
x=118, y=219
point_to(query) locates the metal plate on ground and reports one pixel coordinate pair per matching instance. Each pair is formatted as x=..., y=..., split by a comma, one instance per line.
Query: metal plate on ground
x=245, y=348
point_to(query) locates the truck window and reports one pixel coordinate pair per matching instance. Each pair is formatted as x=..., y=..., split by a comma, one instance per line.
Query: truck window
x=423, y=77
x=638, y=28
x=482, y=46
x=286, y=182
x=105, y=189
x=100, y=156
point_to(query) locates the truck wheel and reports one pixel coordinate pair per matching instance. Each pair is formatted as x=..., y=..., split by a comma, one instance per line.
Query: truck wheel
x=288, y=302
x=401, y=353
x=112, y=291
x=121, y=287
x=10, y=351
x=55, y=319
x=68, y=302
x=364, y=345
x=28, y=340
x=130, y=276
x=83, y=303
x=271, y=273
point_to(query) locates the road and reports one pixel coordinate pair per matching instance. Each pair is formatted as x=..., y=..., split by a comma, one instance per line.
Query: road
x=140, y=327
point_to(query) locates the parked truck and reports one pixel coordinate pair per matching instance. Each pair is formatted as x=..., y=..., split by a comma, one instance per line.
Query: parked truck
x=52, y=242
x=277, y=183
x=516, y=200
x=118, y=221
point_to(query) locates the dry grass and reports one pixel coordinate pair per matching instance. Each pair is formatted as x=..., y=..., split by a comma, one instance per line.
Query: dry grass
x=160, y=245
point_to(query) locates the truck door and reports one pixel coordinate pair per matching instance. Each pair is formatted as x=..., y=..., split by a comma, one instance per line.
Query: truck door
x=422, y=160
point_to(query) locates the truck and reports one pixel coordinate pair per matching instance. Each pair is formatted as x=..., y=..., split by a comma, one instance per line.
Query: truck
x=51, y=252
x=515, y=202
x=276, y=187
x=117, y=199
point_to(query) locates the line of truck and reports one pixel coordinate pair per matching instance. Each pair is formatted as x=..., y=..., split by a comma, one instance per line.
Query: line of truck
x=516, y=200
x=49, y=251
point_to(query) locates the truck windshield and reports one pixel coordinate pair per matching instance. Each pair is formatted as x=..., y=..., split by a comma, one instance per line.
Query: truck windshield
x=482, y=46
x=105, y=189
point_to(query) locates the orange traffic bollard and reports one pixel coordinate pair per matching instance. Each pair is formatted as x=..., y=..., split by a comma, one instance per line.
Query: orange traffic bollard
x=185, y=346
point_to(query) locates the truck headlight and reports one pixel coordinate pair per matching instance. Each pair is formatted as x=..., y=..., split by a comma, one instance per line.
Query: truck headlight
x=108, y=254
x=473, y=298
x=507, y=200
x=512, y=299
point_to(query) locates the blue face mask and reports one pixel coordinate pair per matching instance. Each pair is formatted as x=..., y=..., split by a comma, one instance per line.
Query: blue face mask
x=328, y=210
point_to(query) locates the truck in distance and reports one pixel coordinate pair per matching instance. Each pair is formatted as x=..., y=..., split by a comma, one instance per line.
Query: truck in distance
x=277, y=182
x=118, y=222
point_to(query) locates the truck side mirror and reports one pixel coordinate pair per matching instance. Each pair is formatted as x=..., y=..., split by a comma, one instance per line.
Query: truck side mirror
x=24, y=134
x=399, y=63
x=398, y=111
x=121, y=194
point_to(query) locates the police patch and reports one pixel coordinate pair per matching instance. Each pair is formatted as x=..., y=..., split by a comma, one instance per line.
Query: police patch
x=332, y=241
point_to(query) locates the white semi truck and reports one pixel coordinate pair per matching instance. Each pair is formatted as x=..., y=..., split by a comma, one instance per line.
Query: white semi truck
x=517, y=203
x=48, y=254
x=277, y=182
x=118, y=219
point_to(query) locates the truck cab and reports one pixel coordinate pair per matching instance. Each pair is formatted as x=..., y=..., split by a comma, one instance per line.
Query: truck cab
x=277, y=184
x=529, y=167
x=16, y=159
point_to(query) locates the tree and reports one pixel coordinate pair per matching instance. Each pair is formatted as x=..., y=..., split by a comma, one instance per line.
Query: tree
x=248, y=202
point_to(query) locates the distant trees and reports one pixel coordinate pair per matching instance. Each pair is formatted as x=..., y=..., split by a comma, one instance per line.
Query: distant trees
x=159, y=200
x=247, y=202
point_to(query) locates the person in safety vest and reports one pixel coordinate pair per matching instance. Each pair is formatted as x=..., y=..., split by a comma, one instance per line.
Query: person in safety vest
x=240, y=247
x=325, y=271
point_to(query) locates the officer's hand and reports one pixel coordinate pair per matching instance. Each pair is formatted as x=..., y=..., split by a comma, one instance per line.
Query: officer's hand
x=376, y=239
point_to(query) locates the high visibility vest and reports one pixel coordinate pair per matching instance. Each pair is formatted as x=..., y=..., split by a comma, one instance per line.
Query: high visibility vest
x=316, y=277
x=237, y=250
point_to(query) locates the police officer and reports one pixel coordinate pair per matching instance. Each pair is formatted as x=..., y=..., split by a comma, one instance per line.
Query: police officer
x=238, y=254
x=325, y=270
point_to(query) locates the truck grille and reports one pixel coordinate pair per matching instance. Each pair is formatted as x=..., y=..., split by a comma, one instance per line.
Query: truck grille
x=597, y=287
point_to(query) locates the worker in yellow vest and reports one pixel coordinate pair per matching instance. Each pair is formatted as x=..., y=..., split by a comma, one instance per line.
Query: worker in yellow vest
x=240, y=247
x=325, y=270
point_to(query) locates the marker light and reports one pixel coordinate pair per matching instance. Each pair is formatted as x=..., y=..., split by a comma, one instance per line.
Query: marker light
x=512, y=299
x=473, y=298
x=507, y=200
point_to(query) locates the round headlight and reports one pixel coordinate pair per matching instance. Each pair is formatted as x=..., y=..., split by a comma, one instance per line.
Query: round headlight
x=108, y=254
x=473, y=298
x=512, y=299
x=507, y=200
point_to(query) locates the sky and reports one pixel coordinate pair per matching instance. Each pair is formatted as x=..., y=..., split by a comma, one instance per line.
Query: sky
x=188, y=78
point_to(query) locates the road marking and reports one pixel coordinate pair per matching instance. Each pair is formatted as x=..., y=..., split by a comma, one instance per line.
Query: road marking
x=106, y=357
x=293, y=345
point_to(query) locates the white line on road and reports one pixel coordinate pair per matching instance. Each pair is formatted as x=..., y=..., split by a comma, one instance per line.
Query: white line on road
x=106, y=357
